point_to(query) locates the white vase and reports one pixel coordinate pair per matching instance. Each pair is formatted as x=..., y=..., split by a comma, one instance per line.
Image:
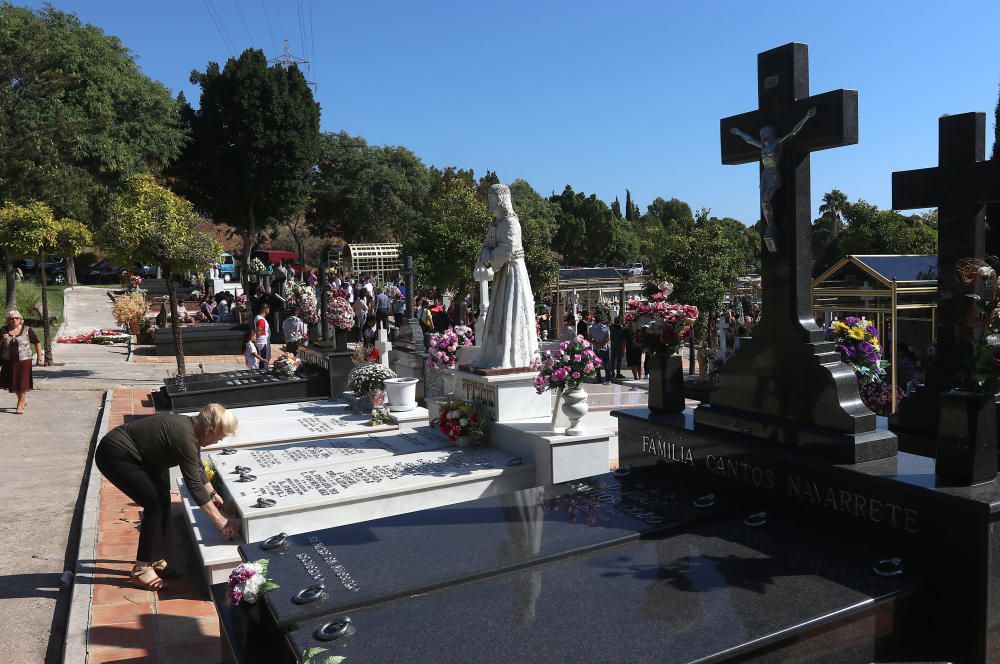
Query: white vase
x=559, y=419
x=450, y=379
x=401, y=393
x=574, y=407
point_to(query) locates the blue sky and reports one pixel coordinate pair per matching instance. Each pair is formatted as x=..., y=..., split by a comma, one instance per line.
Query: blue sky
x=600, y=95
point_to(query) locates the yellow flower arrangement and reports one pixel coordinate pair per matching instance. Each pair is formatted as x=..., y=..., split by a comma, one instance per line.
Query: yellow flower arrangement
x=209, y=470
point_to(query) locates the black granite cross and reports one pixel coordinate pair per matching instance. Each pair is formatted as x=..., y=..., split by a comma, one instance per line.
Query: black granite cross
x=960, y=186
x=783, y=94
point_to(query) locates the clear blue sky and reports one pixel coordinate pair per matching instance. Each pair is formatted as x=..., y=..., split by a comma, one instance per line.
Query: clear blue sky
x=601, y=95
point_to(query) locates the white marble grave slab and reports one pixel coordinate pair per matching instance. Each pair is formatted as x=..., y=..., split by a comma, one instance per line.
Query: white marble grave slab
x=327, y=420
x=311, y=453
x=324, y=496
x=217, y=555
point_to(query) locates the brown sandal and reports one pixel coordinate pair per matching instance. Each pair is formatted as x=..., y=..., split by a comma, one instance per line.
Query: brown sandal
x=155, y=584
x=164, y=571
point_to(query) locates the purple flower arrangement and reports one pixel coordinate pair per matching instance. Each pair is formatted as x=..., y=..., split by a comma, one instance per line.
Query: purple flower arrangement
x=248, y=583
x=859, y=347
x=568, y=367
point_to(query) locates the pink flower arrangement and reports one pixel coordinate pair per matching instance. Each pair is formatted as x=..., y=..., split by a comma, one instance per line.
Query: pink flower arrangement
x=568, y=367
x=442, y=352
x=339, y=313
x=248, y=582
x=135, y=280
x=304, y=297
x=670, y=327
x=393, y=291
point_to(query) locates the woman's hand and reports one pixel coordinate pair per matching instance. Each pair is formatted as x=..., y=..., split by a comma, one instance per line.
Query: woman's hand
x=218, y=500
x=229, y=529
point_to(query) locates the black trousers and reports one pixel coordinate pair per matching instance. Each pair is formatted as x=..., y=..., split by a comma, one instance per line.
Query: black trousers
x=148, y=486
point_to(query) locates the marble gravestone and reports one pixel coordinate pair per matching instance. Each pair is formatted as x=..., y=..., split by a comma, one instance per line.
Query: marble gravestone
x=371, y=562
x=787, y=383
x=719, y=592
x=242, y=388
x=282, y=423
x=960, y=187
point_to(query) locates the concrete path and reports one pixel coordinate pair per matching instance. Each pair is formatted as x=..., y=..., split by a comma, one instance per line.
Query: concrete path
x=44, y=456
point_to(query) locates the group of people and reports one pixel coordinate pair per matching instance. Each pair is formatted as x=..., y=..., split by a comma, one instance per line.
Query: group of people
x=614, y=344
x=433, y=317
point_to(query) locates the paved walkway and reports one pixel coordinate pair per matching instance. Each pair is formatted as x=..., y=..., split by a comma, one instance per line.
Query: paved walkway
x=137, y=626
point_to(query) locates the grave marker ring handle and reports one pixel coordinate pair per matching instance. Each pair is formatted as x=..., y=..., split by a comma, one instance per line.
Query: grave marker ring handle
x=889, y=567
x=274, y=541
x=334, y=630
x=226, y=451
x=756, y=520
x=309, y=594
x=265, y=502
x=241, y=469
x=247, y=477
x=704, y=502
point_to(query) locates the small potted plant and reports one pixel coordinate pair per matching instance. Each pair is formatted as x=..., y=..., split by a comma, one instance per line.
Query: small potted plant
x=967, y=429
x=130, y=310
x=462, y=423
x=367, y=381
x=661, y=330
x=401, y=393
x=565, y=370
x=286, y=366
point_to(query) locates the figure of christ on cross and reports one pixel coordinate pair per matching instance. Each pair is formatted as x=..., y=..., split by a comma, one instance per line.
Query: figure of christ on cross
x=770, y=176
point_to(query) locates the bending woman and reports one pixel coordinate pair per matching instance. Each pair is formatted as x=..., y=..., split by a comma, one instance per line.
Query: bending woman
x=135, y=457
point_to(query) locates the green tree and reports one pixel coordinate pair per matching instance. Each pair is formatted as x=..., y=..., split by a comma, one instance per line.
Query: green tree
x=151, y=224
x=873, y=231
x=628, y=205
x=77, y=116
x=365, y=193
x=32, y=230
x=703, y=264
x=448, y=239
x=589, y=232
x=672, y=213
x=616, y=209
x=746, y=240
x=538, y=227
x=832, y=209
x=255, y=142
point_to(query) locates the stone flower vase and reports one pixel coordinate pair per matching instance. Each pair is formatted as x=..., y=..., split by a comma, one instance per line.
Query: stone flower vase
x=450, y=378
x=574, y=407
x=666, y=383
x=340, y=339
x=967, y=438
x=559, y=419
x=401, y=393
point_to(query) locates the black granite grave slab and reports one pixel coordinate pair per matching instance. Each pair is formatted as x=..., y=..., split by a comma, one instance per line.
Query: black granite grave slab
x=245, y=389
x=776, y=591
x=192, y=379
x=202, y=339
x=371, y=562
x=898, y=503
x=338, y=363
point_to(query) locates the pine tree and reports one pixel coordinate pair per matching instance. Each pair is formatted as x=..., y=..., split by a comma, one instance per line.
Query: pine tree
x=628, y=205
x=616, y=209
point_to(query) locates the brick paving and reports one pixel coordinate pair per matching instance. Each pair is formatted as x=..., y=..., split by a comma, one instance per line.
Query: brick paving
x=137, y=626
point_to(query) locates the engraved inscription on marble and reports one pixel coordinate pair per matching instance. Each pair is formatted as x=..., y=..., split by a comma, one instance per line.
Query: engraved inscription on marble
x=665, y=449
x=322, y=424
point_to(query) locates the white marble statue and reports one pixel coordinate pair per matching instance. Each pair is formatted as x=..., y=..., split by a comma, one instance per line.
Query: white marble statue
x=509, y=339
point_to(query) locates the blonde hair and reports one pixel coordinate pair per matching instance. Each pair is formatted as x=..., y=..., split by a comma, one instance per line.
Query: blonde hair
x=15, y=312
x=217, y=417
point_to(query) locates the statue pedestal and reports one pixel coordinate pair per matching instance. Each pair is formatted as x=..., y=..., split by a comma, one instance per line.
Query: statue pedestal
x=504, y=397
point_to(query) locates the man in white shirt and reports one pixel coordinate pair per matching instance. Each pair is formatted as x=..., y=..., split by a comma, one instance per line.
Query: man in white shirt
x=370, y=287
x=600, y=335
x=349, y=289
x=294, y=323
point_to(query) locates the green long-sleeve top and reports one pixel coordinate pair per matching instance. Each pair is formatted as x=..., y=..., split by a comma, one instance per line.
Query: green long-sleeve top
x=164, y=441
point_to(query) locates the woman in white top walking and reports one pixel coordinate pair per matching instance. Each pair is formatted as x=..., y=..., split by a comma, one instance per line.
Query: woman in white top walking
x=263, y=330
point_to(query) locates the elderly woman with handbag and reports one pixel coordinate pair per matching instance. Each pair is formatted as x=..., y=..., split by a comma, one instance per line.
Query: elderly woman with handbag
x=16, y=340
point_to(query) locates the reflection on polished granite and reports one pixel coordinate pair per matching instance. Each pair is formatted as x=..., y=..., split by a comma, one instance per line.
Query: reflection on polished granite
x=712, y=593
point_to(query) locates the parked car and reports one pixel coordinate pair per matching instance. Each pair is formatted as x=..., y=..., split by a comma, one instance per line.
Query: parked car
x=103, y=272
x=635, y=270
x=227, y=267
x=145, y=271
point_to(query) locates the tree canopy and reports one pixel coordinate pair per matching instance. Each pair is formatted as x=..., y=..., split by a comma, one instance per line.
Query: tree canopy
x=538, y=225
x=255, y=143
x=366, y=193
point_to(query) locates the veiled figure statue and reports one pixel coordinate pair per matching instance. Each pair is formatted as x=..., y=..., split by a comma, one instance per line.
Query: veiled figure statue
x=509, y=339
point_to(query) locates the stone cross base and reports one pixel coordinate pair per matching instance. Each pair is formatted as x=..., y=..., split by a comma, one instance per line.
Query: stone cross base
x=504, y=397
x=800, y=396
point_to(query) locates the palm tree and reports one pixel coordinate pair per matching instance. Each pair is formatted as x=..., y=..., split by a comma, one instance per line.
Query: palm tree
x=832, y=207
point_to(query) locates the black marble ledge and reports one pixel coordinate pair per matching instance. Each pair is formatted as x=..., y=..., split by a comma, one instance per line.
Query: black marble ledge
x=371, y=562
x=906, y=474
x=724, y=591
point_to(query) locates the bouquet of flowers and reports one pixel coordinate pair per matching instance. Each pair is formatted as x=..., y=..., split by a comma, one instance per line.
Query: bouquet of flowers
x=304, y=297
x=567, y=367
x=670, y=327
x=460, y=418
x=241, y=302
x=542, y=320
x=295, y=337
x=209, y=469
x=442, y=352
x=194, y=294
x=287, y=365
x=857, y=342
x=366, y=378
x=256, y=266
x=393, y=291
x=602, y=311
x=248, y=582
x=340, y=313
x=982, y=373
x=101, y=337
x=135, y=280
